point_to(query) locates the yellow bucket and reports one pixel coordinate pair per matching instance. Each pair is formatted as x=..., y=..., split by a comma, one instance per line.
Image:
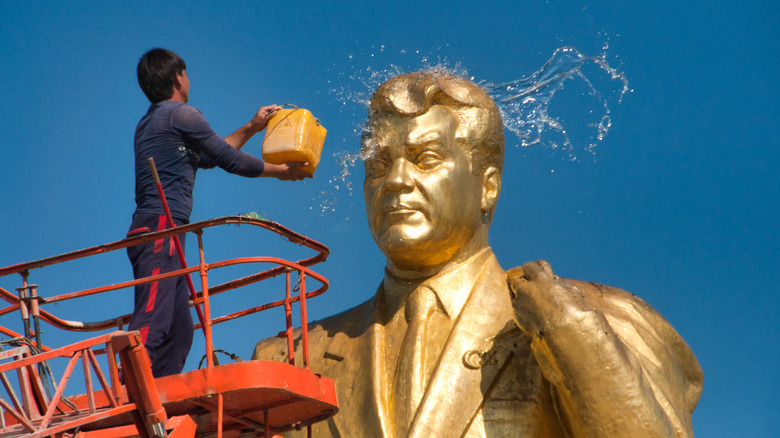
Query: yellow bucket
x=294, y=135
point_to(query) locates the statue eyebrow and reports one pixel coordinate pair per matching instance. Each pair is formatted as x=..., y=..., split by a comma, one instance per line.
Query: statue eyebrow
x=425, y=137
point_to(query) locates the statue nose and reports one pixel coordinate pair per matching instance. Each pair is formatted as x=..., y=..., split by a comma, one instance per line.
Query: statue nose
x=399, y=178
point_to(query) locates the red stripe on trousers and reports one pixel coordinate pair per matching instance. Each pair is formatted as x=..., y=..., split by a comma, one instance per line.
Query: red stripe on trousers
x=144, y=334
x=158, y=244
x=138, y=230
x=152, y=292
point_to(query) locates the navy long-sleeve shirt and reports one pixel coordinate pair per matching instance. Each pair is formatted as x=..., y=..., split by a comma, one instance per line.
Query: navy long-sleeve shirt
x=180, y=140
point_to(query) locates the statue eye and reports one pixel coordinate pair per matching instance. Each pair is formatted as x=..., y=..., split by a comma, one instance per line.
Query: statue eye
x=377, y=167
x=428, y=160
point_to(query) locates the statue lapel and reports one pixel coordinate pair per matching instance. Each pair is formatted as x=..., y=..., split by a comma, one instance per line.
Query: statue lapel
x=472, y=359
x=360, y=380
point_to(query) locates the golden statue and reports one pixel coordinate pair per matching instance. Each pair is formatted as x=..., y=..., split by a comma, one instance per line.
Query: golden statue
x=453, y=345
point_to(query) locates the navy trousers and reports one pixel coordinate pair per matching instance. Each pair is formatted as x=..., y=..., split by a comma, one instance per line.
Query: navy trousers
x=162, y=312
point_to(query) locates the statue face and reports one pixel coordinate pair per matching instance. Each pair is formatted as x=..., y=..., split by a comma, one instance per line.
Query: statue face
x=422, y=200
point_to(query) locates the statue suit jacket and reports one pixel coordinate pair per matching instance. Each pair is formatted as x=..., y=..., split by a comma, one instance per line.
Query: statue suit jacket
x=487, y=382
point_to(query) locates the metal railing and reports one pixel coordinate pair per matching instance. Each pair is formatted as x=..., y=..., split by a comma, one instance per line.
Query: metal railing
x=34, y=409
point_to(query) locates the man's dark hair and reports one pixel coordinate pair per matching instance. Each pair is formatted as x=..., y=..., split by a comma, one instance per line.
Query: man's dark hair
x=157, y=70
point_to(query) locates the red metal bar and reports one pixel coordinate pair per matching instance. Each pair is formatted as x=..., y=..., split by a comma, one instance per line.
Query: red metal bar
x=304, y=320
x=10, y=391
x=8, y=296
x=288, y=318
x=182, y=427
x=80, y=326
x=10, y=333
x=18, y=415
x=76, y=423
x=238, y=418
x=29, y=402
x=39, y=391
x=137, y=370
x=283, y=266
x=113, y=372
x=60, y=352
x=15, y=352
x=9, y=309
x=60, y=389
x=204, y=287
x=88, y=381
x=140, y=426
x=102, y=378
x=138, y=375
x=220, y=409
x=34, y=396
x=283, y=231
x=123, y=285
x=85, y=326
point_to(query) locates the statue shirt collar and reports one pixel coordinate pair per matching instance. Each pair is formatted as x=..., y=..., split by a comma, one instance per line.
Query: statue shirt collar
x=451, y=286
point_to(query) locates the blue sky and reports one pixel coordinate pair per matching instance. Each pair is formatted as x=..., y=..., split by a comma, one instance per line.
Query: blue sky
x=679, y=204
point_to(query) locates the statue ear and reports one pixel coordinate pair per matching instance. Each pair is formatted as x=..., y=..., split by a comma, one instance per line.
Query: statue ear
x=491, y=188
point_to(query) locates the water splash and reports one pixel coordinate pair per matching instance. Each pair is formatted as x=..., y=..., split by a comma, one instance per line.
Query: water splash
x=346, y=162
x=362, y=78
x=525, y=103
x=528, y=105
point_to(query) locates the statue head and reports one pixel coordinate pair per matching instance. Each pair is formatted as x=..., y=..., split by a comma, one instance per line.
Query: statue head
x=434, y=150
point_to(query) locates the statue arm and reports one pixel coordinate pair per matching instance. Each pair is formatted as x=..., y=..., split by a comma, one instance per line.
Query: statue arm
x=609, y=381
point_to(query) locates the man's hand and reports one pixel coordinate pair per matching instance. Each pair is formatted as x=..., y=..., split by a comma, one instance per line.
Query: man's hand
x=263, y=115
x=541, y=300
x=239, y=138
x=288, y=171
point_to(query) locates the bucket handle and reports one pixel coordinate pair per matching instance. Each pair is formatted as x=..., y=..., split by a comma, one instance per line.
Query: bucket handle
x=316, y=120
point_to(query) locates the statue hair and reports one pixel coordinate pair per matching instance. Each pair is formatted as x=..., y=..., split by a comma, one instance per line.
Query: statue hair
x=480, y=126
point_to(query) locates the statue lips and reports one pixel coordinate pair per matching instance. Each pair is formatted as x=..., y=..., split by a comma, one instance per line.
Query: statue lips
x=398, y=211
x=398, y=218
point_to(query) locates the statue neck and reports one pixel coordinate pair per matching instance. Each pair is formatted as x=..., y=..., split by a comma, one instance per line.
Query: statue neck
x=421, y=271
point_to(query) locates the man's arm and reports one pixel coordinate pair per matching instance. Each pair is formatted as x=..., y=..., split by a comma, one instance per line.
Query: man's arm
x=604, y=387
x=226, y=152
x=239, y=138
x=287, y=171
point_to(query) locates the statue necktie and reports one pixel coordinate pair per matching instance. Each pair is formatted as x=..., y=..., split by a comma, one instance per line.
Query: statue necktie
x=410, y=376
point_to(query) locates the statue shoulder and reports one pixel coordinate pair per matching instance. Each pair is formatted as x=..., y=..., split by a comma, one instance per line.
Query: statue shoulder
x=625, y=311
x=614, y=302
x=652, y=340
x=648, y=336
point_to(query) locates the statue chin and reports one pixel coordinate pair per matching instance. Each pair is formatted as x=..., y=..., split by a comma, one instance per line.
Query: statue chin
x=417, y=256
x=410, y=257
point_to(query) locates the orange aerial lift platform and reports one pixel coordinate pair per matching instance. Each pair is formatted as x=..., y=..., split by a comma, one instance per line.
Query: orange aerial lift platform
x=119, y=397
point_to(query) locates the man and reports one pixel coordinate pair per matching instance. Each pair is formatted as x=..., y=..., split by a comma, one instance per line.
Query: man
x=180, y=140
x=451, y=344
